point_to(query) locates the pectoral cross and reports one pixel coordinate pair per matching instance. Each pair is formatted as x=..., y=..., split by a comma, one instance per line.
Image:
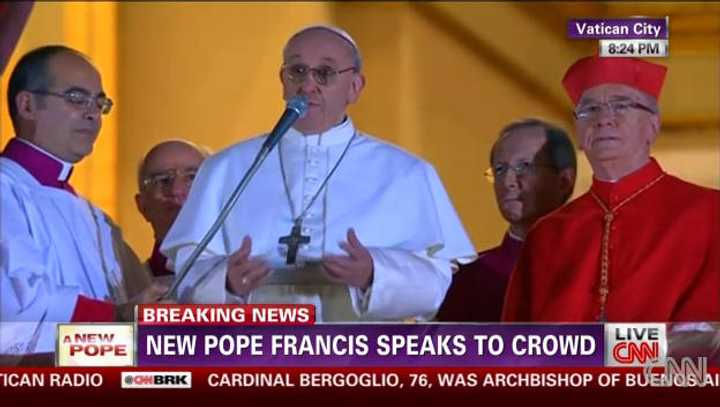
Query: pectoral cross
x=293, y=242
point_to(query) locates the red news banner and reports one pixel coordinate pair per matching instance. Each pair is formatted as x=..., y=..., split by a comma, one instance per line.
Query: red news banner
x=105, y=382
x=225, y=314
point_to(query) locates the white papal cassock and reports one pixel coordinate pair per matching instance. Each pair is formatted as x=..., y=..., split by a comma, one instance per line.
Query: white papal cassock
x=395, y=202
x=54, y=247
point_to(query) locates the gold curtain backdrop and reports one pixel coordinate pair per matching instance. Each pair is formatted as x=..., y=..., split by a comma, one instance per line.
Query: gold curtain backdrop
x=443, y=78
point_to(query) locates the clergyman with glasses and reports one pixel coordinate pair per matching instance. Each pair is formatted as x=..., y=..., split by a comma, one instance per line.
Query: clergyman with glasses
x=165, y=176
x=532, y=170
x=641, y=245
x=61, y=258
x=334, y=217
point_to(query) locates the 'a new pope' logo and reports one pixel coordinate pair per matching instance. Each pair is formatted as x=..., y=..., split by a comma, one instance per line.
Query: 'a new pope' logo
x=95, y=345
x=635, y=344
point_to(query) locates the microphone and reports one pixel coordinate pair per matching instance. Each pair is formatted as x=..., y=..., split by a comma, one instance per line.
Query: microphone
x=296, y=108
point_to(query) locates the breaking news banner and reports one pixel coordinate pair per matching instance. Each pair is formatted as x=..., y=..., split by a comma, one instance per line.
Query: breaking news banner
x=624, y=37
x=280, y=348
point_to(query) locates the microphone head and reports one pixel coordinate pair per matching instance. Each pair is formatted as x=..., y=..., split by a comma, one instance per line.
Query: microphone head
x=298, y=103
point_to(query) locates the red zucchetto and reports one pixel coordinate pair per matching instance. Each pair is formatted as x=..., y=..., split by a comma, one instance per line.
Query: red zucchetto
x=592, y=71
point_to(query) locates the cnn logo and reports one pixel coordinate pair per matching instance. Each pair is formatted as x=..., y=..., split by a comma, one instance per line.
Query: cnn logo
x=156, y=380
x=635, y=344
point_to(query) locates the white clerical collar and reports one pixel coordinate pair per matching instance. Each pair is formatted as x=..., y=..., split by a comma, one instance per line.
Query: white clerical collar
x=66, y=169
x=514, y=236
x=610, y=181
x=340, y=134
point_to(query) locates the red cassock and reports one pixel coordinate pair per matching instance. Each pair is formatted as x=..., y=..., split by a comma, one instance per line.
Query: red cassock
x=662, y=255
x=478, y=289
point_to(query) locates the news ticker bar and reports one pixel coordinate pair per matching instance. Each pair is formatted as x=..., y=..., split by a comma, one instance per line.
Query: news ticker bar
x=624, y=37
x=312, y=379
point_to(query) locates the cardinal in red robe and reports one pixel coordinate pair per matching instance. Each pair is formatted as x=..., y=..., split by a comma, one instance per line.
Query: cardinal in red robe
x=641, y=245
x=532, y=170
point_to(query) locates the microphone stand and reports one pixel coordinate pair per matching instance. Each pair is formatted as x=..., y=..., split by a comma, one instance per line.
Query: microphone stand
x=299, y=105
